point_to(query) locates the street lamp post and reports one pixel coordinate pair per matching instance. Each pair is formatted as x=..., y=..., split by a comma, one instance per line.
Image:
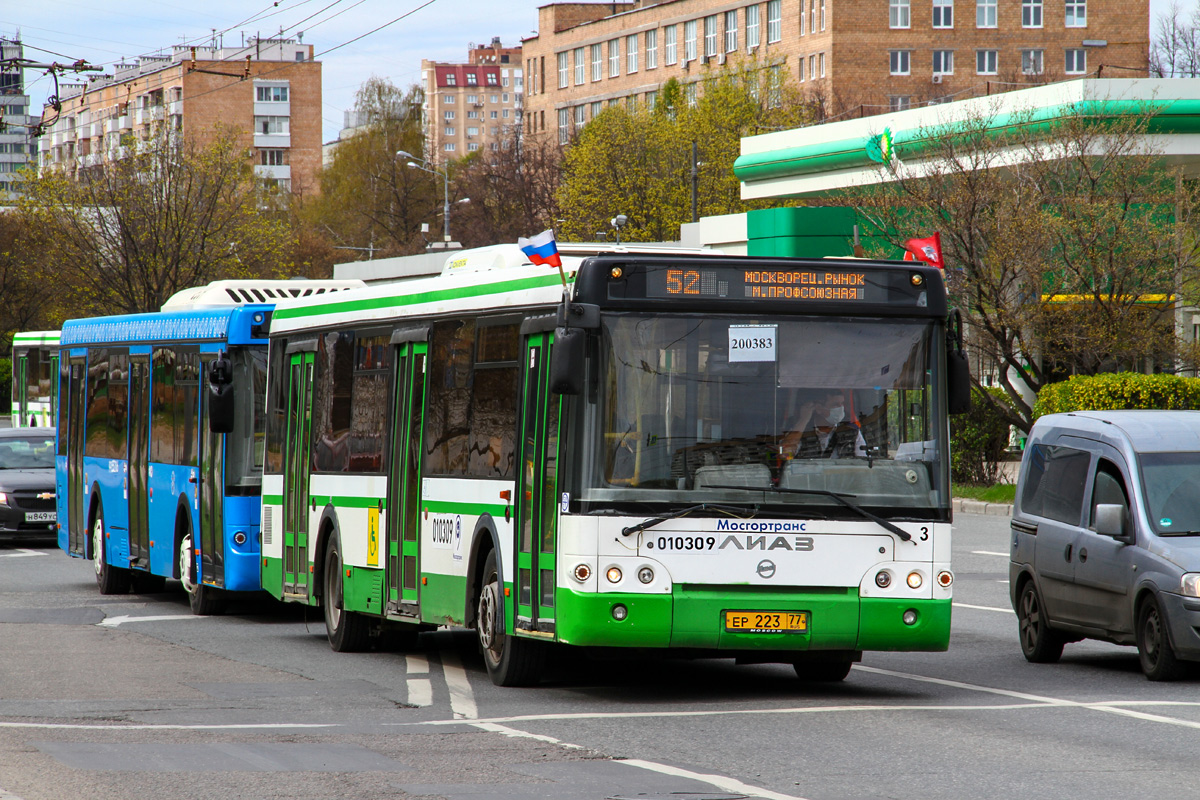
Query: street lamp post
x=445, y=187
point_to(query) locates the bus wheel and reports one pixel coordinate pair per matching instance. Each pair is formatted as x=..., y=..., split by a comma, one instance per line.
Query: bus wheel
x=510, y=661
x=824, y=670
x=347, y=630
x=110, y=579
x=204, y=600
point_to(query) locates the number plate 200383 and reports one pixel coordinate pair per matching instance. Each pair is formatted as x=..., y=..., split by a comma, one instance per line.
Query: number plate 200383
x=766, y=621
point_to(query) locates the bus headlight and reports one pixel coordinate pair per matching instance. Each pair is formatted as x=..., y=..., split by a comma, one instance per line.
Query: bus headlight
x=1189, y=584
x=619, y=612
x=910, y=617
x=915, y=580
x=883, y=579
x=613, y=574
x=646, y=575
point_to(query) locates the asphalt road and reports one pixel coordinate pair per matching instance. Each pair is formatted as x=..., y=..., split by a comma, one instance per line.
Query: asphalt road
x=133, y=697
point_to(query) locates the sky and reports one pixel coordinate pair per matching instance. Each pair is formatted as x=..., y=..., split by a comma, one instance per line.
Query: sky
x=104, y=33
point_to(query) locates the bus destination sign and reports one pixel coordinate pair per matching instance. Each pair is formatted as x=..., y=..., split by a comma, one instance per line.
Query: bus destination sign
x=804, y=284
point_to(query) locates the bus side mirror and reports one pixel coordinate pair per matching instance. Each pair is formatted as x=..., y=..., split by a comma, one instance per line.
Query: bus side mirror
x=567, y=359
x=220, y=395
x=958, y=382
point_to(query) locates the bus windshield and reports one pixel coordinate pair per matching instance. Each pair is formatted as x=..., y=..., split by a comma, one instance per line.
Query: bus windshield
x=244, y=447
x=692, y=408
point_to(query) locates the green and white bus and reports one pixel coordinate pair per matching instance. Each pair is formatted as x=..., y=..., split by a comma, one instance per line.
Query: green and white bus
x=599, y=460
x=34, y=379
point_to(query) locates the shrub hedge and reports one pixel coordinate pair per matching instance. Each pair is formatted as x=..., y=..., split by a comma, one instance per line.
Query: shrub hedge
x=978, y=440
x=1118, y=390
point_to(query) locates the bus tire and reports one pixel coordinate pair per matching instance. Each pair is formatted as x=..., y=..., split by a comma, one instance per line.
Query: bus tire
x=510, y=661
x=110, y=579
x=204, y=600
x=347, y=630
x=830, y=669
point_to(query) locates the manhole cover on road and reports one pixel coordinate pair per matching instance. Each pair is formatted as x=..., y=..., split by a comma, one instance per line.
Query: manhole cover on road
x=679, y=796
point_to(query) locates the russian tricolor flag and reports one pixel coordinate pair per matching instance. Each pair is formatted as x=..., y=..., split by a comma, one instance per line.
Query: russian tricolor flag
x=541, y=249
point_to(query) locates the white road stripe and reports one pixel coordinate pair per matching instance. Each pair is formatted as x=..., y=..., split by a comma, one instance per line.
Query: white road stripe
x=20, y=553
x=112, y=622
x=416, y=665
x=984, y=608
x=989, y=553
x=462, y=699
x=720, y=781
x=252, y=726
x=420, y=691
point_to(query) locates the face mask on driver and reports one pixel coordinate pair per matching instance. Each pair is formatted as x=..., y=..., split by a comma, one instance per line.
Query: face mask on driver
x=836, y=415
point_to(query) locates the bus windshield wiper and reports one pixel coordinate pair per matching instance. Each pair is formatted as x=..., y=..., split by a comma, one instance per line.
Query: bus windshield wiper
x=732, y=511
x=838, y=497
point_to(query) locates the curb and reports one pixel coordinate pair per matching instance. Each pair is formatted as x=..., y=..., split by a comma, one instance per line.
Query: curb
x=967, y=506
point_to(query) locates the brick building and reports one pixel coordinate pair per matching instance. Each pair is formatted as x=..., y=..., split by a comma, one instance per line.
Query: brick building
x=472, y=106
x=852, y=57
x=267, y=89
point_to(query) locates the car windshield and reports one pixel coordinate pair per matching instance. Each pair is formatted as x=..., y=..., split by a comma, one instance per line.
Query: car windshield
x=1171, y=483
x=690, y=408
x=35, y=451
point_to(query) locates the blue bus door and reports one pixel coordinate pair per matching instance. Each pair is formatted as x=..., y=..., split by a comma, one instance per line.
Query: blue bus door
x=404, y=480
x=139, y=458
x=77, y=533
x=211, y=490
x=536, y=504
x=296, y=465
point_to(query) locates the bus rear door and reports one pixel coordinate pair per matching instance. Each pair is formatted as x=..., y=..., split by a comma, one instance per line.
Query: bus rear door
x=404, y=479
x=77, y=533
x=139, y=459
x=297, y=463
x=211, y=490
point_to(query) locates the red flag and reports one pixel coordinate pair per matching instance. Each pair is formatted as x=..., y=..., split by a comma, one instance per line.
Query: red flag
x=928, y=250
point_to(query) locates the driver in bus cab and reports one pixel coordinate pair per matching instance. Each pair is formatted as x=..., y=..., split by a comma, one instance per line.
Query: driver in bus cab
x=821, y=430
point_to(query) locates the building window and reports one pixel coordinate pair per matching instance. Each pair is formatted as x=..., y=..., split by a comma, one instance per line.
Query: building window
x=689, y=40
x=986, y=62
x=651, y=100
x=802, y=18
x=597, y=62
x=943, y=62
x=899, y=60
x=579, y=67
x=774, y=86
x=985, y=13
x=730, y=31
x=1031, y=13
x=493, y=98
x=822, y=14
x=899, y=13
x=614, y=58
x=451, y=79
x=491, y=79
x=271, y=94
x=449, y=147
x=1031, y=62
x=943, y=13
x=579, y=118
x=1076, y=62
x=710, y=36
x=812, y=67
x=448, y=99
x=1076, y=13
x=669, y=44
x=472, y=98
x=449, y=130
x=564, y=121
x=493, y=114
x=689, y=94
x=448, y=114
x=802, y=69
x=271, y=125
x=899, y=102
x=472, y=115
x=472, y=79
x=631, y=53
x=821, y=59
x=273, y=157
x=812, y=16
x=473, y=131
x=752, y=26
x=774, y=21
x=651, y=49
x=563, y=74
x=596, y=107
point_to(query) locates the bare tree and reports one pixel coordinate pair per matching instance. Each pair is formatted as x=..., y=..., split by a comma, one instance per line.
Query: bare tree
x=1175, y=47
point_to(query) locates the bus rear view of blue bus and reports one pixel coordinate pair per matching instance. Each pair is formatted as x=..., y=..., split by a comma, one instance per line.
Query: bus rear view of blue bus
x=157, y=476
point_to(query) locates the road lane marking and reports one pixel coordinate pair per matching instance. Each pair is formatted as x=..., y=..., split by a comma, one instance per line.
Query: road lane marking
x=112, y=622
x=984, y=608
x=720, y=781
x=21, y=553
x=420, y=691
x=416, y=665
x=988, y=553
x=7, y=795
x=462, y=699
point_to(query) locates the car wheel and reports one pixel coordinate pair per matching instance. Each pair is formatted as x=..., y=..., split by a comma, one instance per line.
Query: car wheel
x=110, y=579
x=1154, y=644
x=1040, y=643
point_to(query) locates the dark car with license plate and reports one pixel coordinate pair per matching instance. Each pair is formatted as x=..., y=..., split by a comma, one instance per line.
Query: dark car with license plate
x=27, y=508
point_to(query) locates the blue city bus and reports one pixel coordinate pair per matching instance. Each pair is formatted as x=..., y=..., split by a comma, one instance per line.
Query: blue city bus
x=150, y=484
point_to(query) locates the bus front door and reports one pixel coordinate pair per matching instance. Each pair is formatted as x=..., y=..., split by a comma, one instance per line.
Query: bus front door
x=297, y=463
x=404, y=481
x=139, y=458
x=77, y=533
x=211, y=490
x=536, y=503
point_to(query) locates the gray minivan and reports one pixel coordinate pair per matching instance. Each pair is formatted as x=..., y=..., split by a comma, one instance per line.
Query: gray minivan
x=1106, y=536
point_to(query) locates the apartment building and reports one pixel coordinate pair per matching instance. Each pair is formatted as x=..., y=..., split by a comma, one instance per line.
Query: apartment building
x=18, y=147
x=268, y=90
x=474, y=105
x=851, y=57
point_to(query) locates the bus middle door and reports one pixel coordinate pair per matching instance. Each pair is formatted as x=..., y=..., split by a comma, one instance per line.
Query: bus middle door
x=296, y=467
x=139, y=459
x=537, y=509
x=404, y=480
x=211, y=490
x=77, y=533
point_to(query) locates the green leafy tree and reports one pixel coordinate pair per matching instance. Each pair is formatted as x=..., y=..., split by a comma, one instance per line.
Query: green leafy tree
x=124, y=235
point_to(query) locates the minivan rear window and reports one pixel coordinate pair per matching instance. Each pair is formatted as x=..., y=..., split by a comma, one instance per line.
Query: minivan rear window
x=1055, y=480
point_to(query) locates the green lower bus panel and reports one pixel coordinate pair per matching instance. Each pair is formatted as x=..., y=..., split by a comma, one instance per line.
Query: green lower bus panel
x=272, y=577
x=363, y=590
x=587, y=619
x=443, y=598
x=883, y=625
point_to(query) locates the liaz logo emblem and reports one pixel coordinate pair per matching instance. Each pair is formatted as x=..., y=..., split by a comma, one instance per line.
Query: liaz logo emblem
x=766, y=569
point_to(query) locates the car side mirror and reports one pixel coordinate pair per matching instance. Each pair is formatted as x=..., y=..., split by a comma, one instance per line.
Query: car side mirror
x=1112, y=519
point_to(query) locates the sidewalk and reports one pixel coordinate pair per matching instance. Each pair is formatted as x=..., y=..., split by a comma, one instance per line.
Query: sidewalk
x=962, y=505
